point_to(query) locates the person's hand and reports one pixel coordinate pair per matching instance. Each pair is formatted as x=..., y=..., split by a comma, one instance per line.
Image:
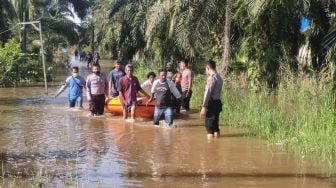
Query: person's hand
x=187, y=93
x=149, y=101
x=57, y=94
x=203, y=111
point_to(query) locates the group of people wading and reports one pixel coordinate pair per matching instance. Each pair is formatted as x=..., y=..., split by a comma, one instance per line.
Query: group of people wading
x=171, y=91
x=90, y=58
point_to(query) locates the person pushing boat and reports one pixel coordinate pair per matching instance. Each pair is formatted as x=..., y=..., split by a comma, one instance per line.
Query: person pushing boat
x=128, y=88
x=165, y=93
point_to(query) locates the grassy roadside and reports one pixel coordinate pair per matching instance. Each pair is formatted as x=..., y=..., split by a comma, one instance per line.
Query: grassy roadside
x=300, y=117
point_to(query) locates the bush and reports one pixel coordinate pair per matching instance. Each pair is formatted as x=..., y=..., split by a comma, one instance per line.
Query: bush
x=14, y=71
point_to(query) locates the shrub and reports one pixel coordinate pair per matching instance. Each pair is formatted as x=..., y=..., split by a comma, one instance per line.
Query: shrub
x=14, y=71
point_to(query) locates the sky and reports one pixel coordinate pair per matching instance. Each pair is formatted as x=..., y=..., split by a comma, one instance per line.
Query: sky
x=75, y=18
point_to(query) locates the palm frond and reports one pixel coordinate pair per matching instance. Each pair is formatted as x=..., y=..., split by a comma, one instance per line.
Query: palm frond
x=62, y=27
x=193, y=31
x=156, y=15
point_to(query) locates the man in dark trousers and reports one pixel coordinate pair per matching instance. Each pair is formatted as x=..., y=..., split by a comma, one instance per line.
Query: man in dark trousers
x=212, y=105
x=97, y=90
x=186, y=84
x=114, y=77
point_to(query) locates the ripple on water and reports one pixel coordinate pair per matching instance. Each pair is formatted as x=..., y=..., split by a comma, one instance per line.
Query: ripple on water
x=38, y=132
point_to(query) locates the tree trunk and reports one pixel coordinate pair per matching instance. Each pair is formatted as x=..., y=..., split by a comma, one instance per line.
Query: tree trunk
x=25, y=18
x=226, y=55
x=92, y=34
x=92, y=38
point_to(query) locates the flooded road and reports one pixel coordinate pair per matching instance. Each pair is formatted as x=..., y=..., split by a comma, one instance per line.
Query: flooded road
x=43, y=141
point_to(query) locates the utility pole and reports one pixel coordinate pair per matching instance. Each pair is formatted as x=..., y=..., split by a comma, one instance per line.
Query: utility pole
x=39, y=28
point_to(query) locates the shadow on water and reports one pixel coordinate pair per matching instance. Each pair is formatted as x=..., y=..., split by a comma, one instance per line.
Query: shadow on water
x=27, y=101
x=237, y=135
x=232, y=175
x=24, y=157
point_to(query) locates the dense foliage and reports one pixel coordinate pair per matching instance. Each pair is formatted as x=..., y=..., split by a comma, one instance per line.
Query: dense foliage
x=13, y=71
x=58, y=31
x=264, y=33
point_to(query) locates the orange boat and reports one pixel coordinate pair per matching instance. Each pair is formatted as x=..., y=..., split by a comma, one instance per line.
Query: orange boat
x=113, y=106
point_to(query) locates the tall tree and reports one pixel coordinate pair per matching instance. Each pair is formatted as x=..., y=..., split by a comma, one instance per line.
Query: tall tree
x=226, y=55
x=6, y=14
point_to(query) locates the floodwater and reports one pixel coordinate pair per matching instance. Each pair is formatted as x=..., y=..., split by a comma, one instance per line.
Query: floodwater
x=43, y=143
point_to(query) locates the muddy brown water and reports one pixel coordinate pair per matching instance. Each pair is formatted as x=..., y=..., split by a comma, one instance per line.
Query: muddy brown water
x=40, y=138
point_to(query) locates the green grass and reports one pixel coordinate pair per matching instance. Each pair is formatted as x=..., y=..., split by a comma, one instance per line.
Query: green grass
x=300, y=118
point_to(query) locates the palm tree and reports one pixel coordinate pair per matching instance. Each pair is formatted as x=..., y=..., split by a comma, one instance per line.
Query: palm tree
x=52, y=13
x=6, y=13
x=271, y=30
x=226, y=56
x=189, y=23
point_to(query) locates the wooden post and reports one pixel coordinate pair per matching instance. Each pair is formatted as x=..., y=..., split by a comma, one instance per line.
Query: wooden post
x=39, y=28
x=43, y=61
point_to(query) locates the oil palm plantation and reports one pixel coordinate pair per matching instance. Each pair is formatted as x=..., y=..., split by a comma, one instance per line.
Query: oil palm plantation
x=263, y=32
x=173, y=28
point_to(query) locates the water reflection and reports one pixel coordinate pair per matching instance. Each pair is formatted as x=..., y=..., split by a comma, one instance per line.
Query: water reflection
x=39, y=133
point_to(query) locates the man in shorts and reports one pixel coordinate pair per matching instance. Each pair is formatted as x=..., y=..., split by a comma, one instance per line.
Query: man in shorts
x=128, y=88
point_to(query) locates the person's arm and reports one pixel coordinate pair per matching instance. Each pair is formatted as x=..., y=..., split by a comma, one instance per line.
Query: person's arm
x=88, y=89
x=110, y=85
x=190, y=79
x=174, y=77
x=174, y=90
x=63, y=87
x=139, y=89
x=144, y=93
x=207, y=95
x=122, y=99
x=120, y=90
x=106, y=87
x=84, y=83
x=144, y=84
x=151, y=98
x=153, y=91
